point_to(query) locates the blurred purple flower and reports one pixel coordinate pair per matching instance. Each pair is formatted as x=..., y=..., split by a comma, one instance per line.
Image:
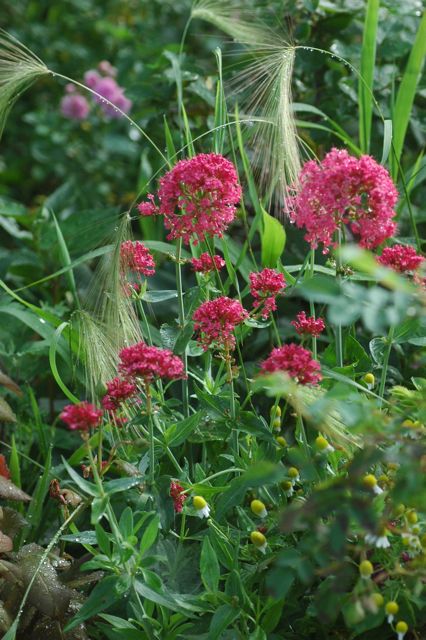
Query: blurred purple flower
x=75, y=107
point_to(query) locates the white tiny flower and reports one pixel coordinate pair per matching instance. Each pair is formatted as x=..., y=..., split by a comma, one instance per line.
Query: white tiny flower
x=382, y=542
x=390, y=619
x=201, y=506
x=377, y=490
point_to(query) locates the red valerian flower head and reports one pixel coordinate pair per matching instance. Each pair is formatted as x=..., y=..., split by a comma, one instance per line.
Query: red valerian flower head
x=117, y=392
x=264, y=287
x=142, y=361
x=177, y=495
x=308, y=325
x=296, y=361
x=134, y=256
x=340, y=190
x=401, y=258
x=206, y=263
x=198, y=197
x=81, y=416
x=4, y=469
x=215, y=321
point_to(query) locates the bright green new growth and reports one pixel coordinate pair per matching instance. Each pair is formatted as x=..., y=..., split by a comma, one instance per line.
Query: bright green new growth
x=19, y=68
x=265, y=90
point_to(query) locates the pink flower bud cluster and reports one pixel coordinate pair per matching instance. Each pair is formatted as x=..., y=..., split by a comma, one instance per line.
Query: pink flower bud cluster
x=215, y=322
x=142, y=361
x=401, y=258
x=81, y=416
x=177, y=496
x=265, y=286
x=206, y=263
x=308, y=325
x=197, y=198
x=117, y=392
x=76, y=107
x=344, y=190
x=134, y=256
x=294, y=360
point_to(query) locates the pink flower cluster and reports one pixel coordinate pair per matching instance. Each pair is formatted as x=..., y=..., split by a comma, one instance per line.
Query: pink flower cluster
x=215, y=322
x=76, y=107
x=340, y=190
x=206, y=263
x=142, y=361
x=308, y=325
x=136, y=257
x=294, y=360
x=197, y=197
x=265, y=286
x=117, y=392
x=401, y=258
x=177, y=495
x=105, y=84
x=81, y=416
x=73, y=105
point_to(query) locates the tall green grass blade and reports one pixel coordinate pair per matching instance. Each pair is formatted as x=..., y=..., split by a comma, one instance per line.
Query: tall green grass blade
x=365, y=88
x=35, y=509
x=188, y=135
x=170, y=146
x=406, y=94
x=220, y=107
x=387, y=140
x=273, y=239
x=65, y=259
x=53, y=366
x=39, y=425
x=14, y=466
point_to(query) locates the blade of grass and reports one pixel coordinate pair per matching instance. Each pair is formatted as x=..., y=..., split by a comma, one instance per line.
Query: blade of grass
x=368, y=59
x=406, y=94
x=53, y=365
x=66, y=260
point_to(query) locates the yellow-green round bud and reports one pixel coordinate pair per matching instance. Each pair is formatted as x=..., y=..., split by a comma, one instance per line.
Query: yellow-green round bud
x=286, y=485
x=322, y=444
x=378, y=599
x=281, y=441
x=199, y=502
x=401, y=627
x=392, y=608
x=423, y=540
x=276, y=411
x=369, y=481
x=409, y=424
x=400, y=509
x=258, y=539
x=369, y=379
x=412, y=517
x=258, y=508
x=293, y=473
x=416, y=529
x=365, y=568
x=276, y=424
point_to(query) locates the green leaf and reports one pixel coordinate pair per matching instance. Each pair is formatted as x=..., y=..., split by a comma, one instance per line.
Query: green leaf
x=273, y=239
x=177, y=433
x=223, y=617
x=87, y=487
x=105, y=594
x=122, y=484
x=159, y=296
x=65, y=259
x=150, y=535
x=406, y=94
x=365, y=87
x=209, y=566
x=53, y=365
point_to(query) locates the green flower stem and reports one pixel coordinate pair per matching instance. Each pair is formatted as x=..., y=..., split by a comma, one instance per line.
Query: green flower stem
x=301, y=428
x=151, y=477
x=100, y=449
x=338, y=328
x=144, y=319
x=185, y=393
x=312, y=306
x=234, y=438
x=389, y=341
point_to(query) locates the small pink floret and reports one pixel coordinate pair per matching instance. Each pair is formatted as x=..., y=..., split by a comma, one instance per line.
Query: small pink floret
x=136, y=257
x=117, y=392
x=206, y=263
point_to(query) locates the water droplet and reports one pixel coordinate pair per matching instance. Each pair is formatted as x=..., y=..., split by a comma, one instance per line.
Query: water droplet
x=42, y=321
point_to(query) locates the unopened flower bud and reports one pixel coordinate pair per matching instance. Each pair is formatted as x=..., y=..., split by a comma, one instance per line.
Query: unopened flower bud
x=365, y=568
x=276, y=424
x=369, y=379
x=281, y=441
x=370, y=482
x=259, y=540
x=378, y=599
x=203, y=509
x=412, y=517
x=391, y=609
x=276, y=411
x=401, y=628
x=323, y=445
x=258, y=508
x=293, y=473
